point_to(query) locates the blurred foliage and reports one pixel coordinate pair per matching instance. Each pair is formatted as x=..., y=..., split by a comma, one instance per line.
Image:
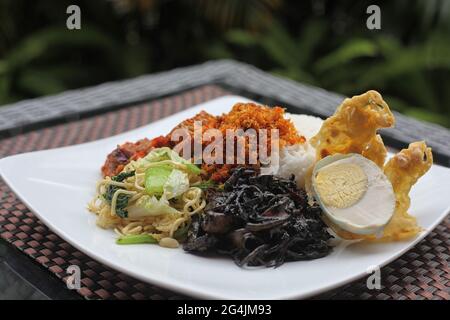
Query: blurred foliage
x=323, y=42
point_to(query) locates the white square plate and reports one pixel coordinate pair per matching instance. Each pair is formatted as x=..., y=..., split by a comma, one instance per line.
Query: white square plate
x=57, y=184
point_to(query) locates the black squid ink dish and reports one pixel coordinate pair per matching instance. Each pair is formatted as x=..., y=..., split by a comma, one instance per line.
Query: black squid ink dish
x=259, y=220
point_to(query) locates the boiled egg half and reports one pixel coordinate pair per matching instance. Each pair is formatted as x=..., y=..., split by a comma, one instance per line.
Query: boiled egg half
x=354, y=193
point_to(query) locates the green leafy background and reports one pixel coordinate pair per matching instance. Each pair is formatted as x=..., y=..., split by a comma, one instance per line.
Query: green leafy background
x=323, y=43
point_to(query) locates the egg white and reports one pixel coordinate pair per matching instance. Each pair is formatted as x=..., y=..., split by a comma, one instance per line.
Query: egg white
x=373, y=210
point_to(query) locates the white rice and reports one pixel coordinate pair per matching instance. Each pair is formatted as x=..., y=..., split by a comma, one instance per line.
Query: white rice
x=307, y=126
x=297, y=159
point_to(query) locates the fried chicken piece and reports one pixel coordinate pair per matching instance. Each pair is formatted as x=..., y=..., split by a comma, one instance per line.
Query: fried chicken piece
x=353, y=128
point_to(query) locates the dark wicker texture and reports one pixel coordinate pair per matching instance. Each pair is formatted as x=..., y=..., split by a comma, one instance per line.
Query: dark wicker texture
x=237, y=76
x=422, y=273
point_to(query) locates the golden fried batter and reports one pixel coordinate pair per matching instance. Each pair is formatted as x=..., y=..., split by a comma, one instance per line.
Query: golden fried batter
x=403, y=170
x=353, y=128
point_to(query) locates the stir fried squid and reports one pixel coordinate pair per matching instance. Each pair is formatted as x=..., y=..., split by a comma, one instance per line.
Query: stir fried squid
x=259, y=221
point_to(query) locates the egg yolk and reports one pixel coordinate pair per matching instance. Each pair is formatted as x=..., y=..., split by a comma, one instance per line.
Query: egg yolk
x=341, y=185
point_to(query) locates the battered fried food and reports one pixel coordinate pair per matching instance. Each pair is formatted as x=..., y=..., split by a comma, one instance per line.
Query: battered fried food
x=403, y=170
x=353, y=128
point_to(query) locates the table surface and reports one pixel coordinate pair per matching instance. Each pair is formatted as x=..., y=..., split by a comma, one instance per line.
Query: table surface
x=422, y=273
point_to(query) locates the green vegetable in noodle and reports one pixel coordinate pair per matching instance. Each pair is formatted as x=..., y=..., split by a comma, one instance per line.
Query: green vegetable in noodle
x=147, y=206
x=122, y=199
x=155, y=179
x=181, y=233
x=122, y=176
x=165, y=153
x=136, y=239
x=176, y=184
x=164, y=180
x=121, y=204
x=192, y=168
x=204, y=185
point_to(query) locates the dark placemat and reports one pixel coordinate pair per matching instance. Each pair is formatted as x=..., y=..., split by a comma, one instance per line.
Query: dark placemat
x=421, y=273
